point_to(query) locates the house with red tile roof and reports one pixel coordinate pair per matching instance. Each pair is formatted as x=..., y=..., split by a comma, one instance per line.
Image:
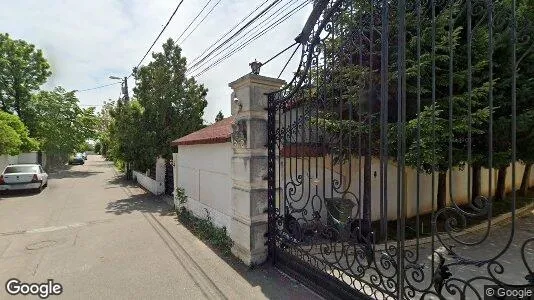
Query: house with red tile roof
x=220, y=132
x=202, y=167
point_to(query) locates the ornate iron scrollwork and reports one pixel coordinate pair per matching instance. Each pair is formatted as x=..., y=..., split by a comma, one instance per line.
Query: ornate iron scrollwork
x=410, y=91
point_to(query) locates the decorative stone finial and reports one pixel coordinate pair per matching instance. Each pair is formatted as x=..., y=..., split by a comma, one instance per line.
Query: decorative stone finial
x=255, y=66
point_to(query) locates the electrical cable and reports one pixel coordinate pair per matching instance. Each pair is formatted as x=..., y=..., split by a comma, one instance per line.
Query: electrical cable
x=264, y=11
x=201, y=21
x=98, y=87
x=258, y=33
x=240, y=47
x=191, y=23
x=228, y=32
x=216, y=55
x=290, y=58
x=278, y=54
x=160, y=33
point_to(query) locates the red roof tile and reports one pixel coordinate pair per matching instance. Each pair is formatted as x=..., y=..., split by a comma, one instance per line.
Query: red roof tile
x=220, y=132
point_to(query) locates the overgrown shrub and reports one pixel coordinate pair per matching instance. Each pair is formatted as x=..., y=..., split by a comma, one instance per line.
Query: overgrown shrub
x=206, y=231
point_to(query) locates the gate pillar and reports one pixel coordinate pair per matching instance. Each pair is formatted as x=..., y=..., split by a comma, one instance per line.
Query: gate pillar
x=249, y=166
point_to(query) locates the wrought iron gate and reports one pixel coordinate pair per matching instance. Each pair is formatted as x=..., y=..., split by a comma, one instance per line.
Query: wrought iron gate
x=380, y=146
x=169, y=178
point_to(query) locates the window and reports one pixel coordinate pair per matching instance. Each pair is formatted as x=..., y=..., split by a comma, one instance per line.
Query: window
x=21, y=169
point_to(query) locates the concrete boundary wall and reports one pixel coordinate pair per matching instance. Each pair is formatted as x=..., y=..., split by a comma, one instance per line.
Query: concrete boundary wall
x=203, y=171
x=153, y=186
x=351, y=171
x=22, y=158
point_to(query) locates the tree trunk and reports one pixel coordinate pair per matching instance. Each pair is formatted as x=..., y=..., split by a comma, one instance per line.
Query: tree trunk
x=476, y=183
x=501, y=181
x=442, y=190
x=525, y=180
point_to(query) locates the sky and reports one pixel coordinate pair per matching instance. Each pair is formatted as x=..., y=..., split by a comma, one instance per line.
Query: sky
x=87, y=41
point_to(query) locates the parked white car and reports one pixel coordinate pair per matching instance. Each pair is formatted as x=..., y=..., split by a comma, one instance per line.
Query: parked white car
x=23, y=177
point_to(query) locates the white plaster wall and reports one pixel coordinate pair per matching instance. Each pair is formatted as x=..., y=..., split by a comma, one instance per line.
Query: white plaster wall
x=27, y=158
x=305, y=188
x=22, y=158
x=156, y=188
x=204, y=172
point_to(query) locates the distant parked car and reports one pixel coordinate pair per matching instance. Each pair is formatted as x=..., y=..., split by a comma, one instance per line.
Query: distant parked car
x=23, y=177
x=77, y=159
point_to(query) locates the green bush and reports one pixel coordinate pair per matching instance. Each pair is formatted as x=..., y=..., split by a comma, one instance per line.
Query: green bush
x=206, y=231
x=119, y=164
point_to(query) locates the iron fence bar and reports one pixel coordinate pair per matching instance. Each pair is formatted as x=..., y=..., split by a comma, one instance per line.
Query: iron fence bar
x=490, y=100
x=433, y=121
x=383, y=120
x=402, y=145
x=469, y=99
x=271, y=181
x=418, y=150
x=514, y=116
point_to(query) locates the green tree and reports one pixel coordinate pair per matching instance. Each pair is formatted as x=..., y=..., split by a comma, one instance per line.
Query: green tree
x=61, y=125
x=9, y=139
x=219, y=116
x=105, y=121
x=436, y=135
x=504, y=71
x=23, y=69
x=14, y=122
x=173, y=104
x=129, y=141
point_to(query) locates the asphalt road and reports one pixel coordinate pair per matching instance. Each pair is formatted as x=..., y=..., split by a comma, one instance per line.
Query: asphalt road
x=102, y=238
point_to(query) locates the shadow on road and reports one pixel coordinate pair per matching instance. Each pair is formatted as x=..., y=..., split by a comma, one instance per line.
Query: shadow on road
x=139, y=203
x=13, y=194
x=144, y=203
x=273, y=284
x=121, y=181
x=73, y=174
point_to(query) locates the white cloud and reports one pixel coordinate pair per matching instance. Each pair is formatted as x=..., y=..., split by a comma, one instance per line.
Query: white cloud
x=87, y=41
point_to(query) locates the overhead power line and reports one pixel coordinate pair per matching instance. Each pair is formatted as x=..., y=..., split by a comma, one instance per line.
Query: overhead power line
x=261, y=32
x=229, y=31
x=229, y=50
x=253, y=33
x=278, y=54
x=160, y=33
x=241, y=37
x=201, y=21
x=98, y=87
x=260, y=14
x=194, y=19
x=290, y=58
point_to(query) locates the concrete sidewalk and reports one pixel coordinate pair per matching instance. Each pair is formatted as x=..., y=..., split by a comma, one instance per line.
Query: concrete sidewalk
x=215, y=276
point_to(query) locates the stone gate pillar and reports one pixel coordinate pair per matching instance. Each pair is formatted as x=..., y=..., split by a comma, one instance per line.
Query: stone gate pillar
x=249, y=166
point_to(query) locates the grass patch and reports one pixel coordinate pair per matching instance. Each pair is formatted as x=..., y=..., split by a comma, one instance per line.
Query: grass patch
x=206, y=231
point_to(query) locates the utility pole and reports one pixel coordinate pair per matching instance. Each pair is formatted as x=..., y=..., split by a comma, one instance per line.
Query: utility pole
x=126, y=98
x=125, y=89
